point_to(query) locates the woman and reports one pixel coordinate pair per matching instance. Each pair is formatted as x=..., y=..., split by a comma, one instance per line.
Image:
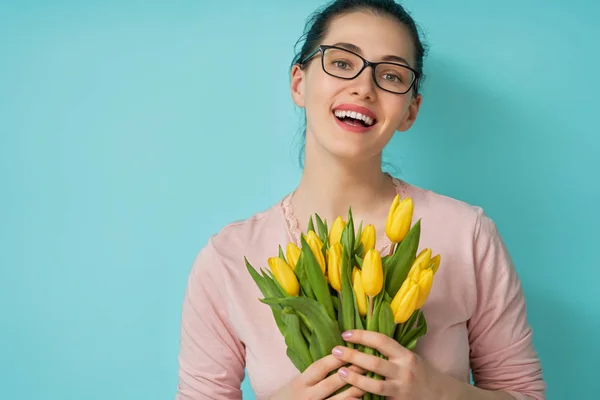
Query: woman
x=476, y=310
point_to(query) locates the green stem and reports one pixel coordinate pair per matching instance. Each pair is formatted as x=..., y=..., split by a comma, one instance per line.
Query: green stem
x=392, y=247
x=369, y=350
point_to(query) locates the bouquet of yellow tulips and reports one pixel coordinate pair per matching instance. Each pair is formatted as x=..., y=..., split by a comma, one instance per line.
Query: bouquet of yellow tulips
x=337, y=280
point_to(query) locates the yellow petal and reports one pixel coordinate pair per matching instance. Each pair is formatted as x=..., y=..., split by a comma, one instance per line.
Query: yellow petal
x=315, y=244
x=399, y=219
x=372, y=273
x=285, y=275
x=436, y=263
x=292, y=253
x=367, y=238
x=390, y=216
x=400, y=294
x=335, y=233
x=334, y=266
x=414, y=273
x=361, y=299
x=408, y=304
x=425, y=284
x=423, y=259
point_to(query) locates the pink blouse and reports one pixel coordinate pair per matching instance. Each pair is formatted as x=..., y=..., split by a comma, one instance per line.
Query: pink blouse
x=475, y=312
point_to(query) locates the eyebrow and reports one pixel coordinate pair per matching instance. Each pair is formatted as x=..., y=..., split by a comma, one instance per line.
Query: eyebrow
x=356, y=49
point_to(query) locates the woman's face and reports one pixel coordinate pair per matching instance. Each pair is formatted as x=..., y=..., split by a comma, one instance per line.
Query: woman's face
x=323, y=96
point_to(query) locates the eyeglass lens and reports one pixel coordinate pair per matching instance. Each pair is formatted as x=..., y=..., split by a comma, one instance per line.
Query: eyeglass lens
x=344, y=64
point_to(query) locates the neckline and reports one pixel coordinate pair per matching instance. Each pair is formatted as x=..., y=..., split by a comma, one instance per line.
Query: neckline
x=293, y=226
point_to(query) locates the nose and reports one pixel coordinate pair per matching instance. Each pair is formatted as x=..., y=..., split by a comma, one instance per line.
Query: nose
x=363, y=85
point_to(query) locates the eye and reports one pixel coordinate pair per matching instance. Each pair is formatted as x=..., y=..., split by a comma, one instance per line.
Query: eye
x=392, y=78
x=341, y=64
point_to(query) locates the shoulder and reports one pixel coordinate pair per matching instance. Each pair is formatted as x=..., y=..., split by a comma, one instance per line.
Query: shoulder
x=441, y=210
x=251, y=237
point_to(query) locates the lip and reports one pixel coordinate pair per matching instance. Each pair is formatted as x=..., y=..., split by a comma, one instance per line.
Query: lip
x=358, y=109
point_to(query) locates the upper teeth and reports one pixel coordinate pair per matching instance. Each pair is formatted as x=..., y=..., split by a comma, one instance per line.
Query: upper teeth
x=355, y=115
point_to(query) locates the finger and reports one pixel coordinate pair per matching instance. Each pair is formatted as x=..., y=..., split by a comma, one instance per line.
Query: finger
x=366, y=361
x=351, y=393
x=332, y=384
x=365, y=383
x=356, y=369
x=378, y=341
x=318, y=370
x=328, y=386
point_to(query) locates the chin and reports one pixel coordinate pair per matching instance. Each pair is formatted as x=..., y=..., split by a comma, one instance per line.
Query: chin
x=347, y=151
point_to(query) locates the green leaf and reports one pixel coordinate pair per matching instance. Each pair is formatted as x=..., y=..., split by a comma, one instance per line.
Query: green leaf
x=359, y=232
x=359, y=321
x=316, y=349
x=359, y=261
x=414, y=334
x=325, y=335
x=296, y=360
x=268, y=289
x=409, y=324
x=281, y=254
x=347, y=239
x=386, y=320
x=348, y=300
x=358, y=248
x=372, y=325
x=322, y=230
x=311, y=225
x=294, y=338
x=398, y=265
x=411, y=346
x=300, y=271
x=316, y=279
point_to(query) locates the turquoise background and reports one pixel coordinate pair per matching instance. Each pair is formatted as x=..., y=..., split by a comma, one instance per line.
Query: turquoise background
x=131, y=131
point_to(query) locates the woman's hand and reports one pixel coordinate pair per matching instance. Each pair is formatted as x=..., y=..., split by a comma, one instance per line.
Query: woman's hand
x=406, y=375
x=314, y=383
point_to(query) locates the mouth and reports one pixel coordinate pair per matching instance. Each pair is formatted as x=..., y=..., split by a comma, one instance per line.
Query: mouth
x=354, y=117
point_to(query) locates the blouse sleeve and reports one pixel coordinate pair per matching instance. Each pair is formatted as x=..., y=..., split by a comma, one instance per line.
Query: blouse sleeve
x=211, y=357
x=502, y=352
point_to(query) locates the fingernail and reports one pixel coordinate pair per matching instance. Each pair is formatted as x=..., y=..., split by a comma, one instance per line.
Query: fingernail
x=343, y=372
x=337, y=352
x=347, y=335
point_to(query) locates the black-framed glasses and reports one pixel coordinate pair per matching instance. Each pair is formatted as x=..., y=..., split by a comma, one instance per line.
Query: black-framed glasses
x=345, y=64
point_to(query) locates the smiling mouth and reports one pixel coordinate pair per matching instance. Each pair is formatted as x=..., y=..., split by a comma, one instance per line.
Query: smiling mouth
x=354, y=118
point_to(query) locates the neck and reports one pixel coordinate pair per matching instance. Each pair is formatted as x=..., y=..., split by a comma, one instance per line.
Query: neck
x=329, y=186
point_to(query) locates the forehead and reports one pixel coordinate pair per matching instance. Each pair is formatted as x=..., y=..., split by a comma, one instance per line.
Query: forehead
x=376, y=35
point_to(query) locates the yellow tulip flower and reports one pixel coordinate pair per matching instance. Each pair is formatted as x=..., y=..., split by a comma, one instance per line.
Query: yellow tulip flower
x=436, y=263
x=421, y=262
x=425, y=282
x=399, y=219
x=315, y=244
x=407, y=284
x=359, y=292
x=367, y=238
x=423, y=259
x=407, y=304
x=334, y=266
x=335, y=233
x=372, y=273
x=292, y=253
x=284, y=275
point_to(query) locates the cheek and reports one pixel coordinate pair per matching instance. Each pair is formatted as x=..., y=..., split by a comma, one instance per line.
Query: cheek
x=321, y=89
x=396, y=109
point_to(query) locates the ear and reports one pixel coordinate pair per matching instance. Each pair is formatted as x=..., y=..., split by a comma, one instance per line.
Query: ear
x=411, y=113
x=297, y=85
